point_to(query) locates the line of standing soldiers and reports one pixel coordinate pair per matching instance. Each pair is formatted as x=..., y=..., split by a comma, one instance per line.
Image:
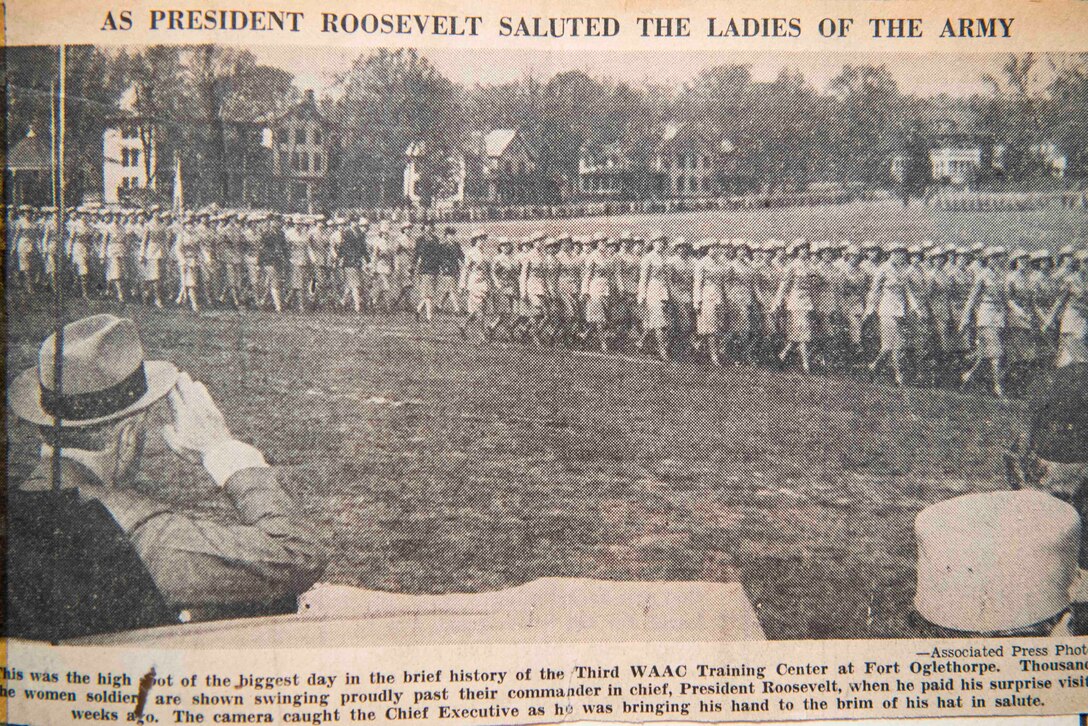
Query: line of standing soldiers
x=935, y=315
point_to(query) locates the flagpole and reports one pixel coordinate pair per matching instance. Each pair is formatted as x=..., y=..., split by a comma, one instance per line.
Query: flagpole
x=58, y=104
x=58, y=119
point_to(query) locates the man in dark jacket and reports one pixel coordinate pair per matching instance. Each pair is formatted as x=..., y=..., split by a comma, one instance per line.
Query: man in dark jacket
x=92, y=553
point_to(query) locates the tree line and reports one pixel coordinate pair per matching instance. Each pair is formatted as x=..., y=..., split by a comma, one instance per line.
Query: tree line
x=785, y=134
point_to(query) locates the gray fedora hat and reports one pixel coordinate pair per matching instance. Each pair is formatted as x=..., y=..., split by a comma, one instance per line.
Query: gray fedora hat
x=106, y=376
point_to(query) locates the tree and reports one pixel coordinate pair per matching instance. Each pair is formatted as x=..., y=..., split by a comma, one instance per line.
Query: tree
x=870, y=119
x=1066, y=115
x=391, y=100
x=1015, y=114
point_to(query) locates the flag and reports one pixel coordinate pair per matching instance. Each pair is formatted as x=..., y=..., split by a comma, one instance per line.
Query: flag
x=179, y=191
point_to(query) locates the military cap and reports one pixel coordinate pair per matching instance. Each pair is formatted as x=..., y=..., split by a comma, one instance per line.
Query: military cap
x=707, y=243
x=680, y=242
x=1066, y=251
x=657, y=235
x=896, y=246
x=406, y=224
x=1019, y=253
x=626, y=235
x=504, y=242
x=996, y=561
x=563, y=237
x=1042, y=255
x=478, y=234
x=851, y=249
x=995, y=251
x=796, y=245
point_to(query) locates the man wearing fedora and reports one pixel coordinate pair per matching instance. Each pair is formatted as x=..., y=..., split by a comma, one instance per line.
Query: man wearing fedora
x=93, y=553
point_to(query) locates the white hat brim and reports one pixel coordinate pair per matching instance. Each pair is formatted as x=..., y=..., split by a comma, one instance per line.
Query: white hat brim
x=25, y=396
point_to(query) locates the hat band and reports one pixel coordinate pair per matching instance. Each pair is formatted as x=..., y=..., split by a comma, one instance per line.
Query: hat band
x=96, y=404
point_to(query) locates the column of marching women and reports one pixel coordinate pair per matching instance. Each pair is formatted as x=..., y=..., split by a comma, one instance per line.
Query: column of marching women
x=912, y=311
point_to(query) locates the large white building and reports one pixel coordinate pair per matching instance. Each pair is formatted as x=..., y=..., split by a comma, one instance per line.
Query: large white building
x=956, y=164
x=128, y=152
x=128, y=157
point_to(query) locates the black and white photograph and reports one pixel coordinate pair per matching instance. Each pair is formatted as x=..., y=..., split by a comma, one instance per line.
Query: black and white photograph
x=321, y=346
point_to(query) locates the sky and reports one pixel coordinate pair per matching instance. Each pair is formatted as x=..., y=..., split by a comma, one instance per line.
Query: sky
x=925, y=75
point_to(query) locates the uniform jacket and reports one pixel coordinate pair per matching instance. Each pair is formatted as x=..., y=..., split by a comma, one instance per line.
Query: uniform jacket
x=255, y=564
x=892, y=294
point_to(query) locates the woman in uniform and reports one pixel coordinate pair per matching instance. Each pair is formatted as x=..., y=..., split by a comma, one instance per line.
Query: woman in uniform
x=739, y=290
x=680, y=266
x=795, y=297
x=505, y=276
x=653, y=295
x=113, y=255
x=1022, y=344
x=937, y=298
x=533, y=286
x=1070, y=313
x=79, y=248
x=1045, y=289
x=892, y=298
x=598, y=280
x=189, y=253
x=475, y=282
x=987, y=307
x=708, y=297
x=155, y=243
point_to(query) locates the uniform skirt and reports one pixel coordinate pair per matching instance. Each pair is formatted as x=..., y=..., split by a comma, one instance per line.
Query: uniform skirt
x=709, y=319
x=990, y=343
x=477, y=297
x=428, y=283
x=533, y=300
x=353, y=278
x=270, y=278
x=114, y=267
x=1072, y=348
x=79, y=259
x=737, y=317
x=190, y=274
x=254, y=270
x=152, y=269
x=505, y=303
x=445, y=285
x=1022, y=346
x=800, y=326
x=854, y=324
x=25, y=253
x=382, y=281
x=892, y=334
x=298, y=276
x=597, y=303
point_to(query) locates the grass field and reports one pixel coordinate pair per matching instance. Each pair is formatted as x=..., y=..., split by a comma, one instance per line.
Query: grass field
x=434, y=466
x=857, y=221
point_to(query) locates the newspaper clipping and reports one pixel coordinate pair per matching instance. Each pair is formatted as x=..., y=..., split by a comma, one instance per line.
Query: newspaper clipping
x=540, y=362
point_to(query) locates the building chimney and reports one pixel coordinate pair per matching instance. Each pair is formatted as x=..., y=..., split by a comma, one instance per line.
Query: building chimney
x=308, y=97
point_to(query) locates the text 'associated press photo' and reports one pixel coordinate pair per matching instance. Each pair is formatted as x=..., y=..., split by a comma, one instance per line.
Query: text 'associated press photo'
x=594, y=372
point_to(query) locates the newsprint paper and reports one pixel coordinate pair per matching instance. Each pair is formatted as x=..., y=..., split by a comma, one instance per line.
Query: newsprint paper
x=545, y=362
